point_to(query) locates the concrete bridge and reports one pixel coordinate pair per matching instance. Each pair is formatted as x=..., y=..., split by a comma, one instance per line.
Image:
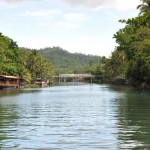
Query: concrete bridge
x=74, y=78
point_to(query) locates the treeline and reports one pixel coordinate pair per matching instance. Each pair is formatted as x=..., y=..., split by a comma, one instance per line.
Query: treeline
x=26, y=64
x=130, y=62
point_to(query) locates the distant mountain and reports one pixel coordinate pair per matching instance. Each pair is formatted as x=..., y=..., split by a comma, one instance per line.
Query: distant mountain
x=66, y=62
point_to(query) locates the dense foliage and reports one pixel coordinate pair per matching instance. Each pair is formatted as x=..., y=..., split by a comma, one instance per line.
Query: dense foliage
x=26, y=64
x=131, y=59
x=10, y=61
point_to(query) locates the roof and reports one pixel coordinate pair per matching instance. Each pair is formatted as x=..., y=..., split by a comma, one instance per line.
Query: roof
x=8, y=77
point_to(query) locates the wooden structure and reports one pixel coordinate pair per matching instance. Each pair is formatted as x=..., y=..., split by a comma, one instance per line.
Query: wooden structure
x=74, y=78
x=41, y=83
x=11, y=82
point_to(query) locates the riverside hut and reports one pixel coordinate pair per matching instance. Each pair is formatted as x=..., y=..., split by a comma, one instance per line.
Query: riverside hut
x=11, y=82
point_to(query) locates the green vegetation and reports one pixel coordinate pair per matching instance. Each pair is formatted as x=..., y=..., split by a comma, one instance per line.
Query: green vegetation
x=131, y=59
x=32, y=86
x=26, y=64
x=66, y=62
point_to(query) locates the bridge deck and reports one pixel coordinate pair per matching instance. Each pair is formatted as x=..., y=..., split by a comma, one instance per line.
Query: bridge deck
x=75, y=76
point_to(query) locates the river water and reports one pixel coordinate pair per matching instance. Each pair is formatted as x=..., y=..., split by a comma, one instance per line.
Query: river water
x=77, y=117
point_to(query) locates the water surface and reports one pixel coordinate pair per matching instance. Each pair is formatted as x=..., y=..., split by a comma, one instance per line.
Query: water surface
x=79, y=117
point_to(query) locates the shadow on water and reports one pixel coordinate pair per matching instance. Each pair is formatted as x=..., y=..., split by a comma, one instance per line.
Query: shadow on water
x=133, y=118
x=14, y=92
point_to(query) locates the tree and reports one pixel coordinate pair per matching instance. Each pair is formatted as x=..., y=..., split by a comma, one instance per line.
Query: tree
x=134, y=41
x=38, y=66
x=137, y=70
x=25, y=64
x=9, y=56
x=145, y=6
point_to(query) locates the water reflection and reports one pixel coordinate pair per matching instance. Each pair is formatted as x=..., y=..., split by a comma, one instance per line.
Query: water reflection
x=75, y=117
x=133, y=117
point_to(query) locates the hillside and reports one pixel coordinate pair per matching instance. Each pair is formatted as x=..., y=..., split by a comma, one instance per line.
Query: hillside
x=66, y=62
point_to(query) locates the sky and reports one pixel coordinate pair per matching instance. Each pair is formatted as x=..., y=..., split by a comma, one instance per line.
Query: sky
x=82, y=26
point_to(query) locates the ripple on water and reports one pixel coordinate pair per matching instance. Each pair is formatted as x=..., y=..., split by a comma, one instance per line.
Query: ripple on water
x=73, y=117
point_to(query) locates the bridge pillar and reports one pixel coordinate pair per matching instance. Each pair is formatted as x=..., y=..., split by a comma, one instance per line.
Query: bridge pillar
x=91, y=80
x=64, y=79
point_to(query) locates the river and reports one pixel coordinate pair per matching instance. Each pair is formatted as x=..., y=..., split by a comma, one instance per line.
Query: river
x=77, y=117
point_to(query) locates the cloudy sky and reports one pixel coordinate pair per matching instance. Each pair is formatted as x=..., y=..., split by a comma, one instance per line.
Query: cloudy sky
x=85, y=26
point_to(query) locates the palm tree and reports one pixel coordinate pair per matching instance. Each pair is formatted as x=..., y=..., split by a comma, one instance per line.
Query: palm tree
x=145, y=6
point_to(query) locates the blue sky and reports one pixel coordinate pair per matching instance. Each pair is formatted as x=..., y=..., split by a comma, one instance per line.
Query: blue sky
x=84, y=26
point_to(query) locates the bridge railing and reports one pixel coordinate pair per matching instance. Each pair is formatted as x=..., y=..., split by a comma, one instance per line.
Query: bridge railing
x=76, y=75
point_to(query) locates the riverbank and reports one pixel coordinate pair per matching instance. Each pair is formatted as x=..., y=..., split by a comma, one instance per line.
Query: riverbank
x=122, y=81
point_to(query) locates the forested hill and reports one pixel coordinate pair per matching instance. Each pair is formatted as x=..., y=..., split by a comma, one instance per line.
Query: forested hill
x=66, y=62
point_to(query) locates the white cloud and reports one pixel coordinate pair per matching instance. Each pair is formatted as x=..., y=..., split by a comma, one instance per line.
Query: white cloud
x=88, y=3
x=41, y=13
x=73, y=20
x=9, y=4
x=44, y=24
x=96, y=4
x=93, y=4
x=75, y=17
x=69, y=25
x=17, y=1
x=126, y=5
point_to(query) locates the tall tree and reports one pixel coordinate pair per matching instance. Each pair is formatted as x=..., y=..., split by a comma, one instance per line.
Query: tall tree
x=26, y=64
x=144, y=6
x=134, y=40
